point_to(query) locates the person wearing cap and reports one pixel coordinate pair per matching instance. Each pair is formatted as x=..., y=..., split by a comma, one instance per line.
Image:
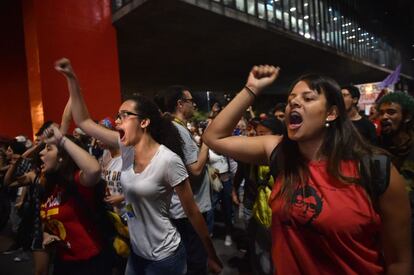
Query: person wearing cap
x=365, y=127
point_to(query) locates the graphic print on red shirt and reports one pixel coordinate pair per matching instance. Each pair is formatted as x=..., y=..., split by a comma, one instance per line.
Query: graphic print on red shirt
x=330, y=228
x=68, y=220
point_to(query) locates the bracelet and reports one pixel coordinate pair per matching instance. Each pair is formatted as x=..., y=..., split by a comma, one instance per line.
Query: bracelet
x=250, y=92
x=62, y=141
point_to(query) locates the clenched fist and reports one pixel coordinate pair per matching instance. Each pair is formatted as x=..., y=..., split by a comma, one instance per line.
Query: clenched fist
x=261, y=76
x=63, y=66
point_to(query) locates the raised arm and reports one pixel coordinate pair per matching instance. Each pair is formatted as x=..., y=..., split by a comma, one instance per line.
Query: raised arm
x=89, y=166
x=79, y=110
x=66, y=117
x=8, y=177
x=246, y=149
x=396, y=234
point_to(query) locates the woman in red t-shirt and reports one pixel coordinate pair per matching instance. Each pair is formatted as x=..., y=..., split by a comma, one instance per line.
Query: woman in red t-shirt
x=70, y=176
x=326, y=218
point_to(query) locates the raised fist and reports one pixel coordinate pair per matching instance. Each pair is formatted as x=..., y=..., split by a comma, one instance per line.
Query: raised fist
x=261, y=76
x=52, y=135
x=63, y=66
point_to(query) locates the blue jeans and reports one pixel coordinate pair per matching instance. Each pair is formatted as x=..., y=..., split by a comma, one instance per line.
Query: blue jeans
x=227, y=206
x=172, y=265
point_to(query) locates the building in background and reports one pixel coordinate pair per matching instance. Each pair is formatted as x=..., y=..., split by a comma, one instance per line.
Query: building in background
x=119, y=47
x=212, y=44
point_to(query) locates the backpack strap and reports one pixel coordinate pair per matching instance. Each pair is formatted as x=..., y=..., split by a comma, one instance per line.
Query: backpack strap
x=272, y=161
x=380, y=171
x=379, y=167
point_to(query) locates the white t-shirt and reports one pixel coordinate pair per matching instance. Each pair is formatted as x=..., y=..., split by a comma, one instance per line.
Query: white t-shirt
x=111, y=174
x=218, y=162
x=199, y=185
x=148, y=194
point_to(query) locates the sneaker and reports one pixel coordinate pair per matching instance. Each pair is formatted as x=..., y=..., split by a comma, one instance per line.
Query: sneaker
x=12, y=249
x=228, y=241
x=22, y=257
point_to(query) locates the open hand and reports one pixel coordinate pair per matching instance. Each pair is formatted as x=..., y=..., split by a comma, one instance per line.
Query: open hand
x=261, y=76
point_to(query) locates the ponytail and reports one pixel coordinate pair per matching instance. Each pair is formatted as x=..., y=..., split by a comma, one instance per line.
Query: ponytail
x=161, y=128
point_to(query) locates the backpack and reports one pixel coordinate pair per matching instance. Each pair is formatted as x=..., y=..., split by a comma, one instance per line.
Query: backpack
x=261, y=209
x=380, y=170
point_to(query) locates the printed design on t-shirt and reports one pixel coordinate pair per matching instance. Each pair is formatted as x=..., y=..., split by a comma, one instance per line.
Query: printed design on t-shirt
x=49, y=209
x=113, y=181
x=56, y=228
x=51, y=206
x=129, y=213
x=306, y=205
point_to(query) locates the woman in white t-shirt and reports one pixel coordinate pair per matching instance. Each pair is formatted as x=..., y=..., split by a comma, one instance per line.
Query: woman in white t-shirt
x=151, y=170
x=111, y=165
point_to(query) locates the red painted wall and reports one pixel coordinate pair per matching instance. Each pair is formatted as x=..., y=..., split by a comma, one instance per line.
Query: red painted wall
x=80, y=30
x=14, y=101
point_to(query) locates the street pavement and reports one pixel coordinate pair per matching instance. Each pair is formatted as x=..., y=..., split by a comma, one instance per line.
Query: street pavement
x=233, y=259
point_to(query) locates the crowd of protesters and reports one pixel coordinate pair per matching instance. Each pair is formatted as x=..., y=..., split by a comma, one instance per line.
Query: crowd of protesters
x=320, y=187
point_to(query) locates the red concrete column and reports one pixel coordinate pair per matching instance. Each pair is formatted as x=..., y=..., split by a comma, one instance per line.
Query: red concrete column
x=82, y=31
x=14, y=103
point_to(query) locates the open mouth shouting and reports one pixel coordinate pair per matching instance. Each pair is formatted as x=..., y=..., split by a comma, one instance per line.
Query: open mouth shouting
x=295, y=120
x=43, y=166
x=121, y=134
x=386, y=126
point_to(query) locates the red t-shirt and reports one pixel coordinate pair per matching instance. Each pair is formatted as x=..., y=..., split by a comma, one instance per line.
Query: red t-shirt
x=70, y=222
x=331, y=227
x=377, y=124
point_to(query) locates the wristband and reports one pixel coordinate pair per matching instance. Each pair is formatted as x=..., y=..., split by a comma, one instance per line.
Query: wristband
x=250, y=92
x=62, y=141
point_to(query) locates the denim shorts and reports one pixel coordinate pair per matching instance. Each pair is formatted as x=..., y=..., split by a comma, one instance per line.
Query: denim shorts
x=172, y=265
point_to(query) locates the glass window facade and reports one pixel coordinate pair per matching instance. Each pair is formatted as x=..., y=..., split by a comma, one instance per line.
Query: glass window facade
x=320, y=21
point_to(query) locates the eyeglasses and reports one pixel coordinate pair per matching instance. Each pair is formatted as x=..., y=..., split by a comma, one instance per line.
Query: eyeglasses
x=191, y=100
x=124, y=114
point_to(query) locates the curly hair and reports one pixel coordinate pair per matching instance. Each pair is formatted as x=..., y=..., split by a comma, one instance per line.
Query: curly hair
x=404, y=100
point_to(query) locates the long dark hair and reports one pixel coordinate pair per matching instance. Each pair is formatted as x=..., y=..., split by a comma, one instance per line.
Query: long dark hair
x=64, y=174
x=160, y=128
x=340, y=142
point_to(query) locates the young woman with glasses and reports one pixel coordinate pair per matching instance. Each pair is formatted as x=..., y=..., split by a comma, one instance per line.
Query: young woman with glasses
x=152, y=168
